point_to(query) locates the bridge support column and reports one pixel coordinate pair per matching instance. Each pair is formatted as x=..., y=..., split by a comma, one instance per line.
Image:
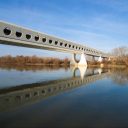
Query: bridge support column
x=73, y=61
x=100, y=59
x=93, y=58
x=82, y=61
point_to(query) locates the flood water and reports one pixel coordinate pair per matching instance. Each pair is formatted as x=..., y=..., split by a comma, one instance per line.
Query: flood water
x=32, y=97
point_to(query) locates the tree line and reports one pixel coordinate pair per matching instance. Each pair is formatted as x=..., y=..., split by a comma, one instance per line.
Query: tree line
x=119, y=57
x=33, y=60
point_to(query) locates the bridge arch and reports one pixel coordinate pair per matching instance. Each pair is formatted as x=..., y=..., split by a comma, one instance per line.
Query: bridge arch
x=82, y=61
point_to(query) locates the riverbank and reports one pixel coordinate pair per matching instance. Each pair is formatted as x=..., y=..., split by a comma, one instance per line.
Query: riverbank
x=54, y=62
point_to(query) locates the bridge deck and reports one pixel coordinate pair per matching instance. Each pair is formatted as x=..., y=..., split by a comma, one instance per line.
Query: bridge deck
x=19, y=36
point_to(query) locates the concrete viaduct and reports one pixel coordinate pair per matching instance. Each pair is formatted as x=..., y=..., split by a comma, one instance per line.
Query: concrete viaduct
x=15, y=35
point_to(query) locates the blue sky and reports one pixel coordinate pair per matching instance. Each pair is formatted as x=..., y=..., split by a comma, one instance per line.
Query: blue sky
x=101, y=24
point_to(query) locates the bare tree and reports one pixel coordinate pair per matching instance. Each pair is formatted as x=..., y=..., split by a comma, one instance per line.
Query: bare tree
x=121, y=51
x=121, y=55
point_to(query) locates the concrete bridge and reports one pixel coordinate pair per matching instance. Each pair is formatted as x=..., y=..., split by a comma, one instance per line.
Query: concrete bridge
x=15, y=35
x=18, y=96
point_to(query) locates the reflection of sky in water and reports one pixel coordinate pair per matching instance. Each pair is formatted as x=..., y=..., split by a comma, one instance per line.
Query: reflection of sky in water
x=13, y=77
x=10, y=78
x=101, y=104
x=98, y=104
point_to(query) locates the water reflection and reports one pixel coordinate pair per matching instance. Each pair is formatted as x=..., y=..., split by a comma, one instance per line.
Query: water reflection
x=33, y=68
x=20, y=95
x=120, y=76
x=14, y=76
x=86, y=72
x=68, y=98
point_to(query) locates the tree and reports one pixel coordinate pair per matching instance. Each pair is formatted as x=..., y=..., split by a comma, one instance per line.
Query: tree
x=121, y=55
x=121, y=51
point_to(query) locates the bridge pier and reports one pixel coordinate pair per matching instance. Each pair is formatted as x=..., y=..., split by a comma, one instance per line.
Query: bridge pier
x=82, y=61
x=109, y=58
x=93, y=58
x=100, y=59
x=73, y=61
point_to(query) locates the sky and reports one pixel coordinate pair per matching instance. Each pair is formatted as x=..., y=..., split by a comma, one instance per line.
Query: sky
x=100, y=24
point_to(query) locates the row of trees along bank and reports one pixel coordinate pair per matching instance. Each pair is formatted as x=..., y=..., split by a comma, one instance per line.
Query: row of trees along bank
x=120, y=57
x=33, y=60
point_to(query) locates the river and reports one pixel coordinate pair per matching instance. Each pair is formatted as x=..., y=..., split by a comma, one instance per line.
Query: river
x=46, y=97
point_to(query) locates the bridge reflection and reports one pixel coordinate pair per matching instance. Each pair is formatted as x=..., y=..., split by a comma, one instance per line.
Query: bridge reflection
x=31, y=93
x=84, y=72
